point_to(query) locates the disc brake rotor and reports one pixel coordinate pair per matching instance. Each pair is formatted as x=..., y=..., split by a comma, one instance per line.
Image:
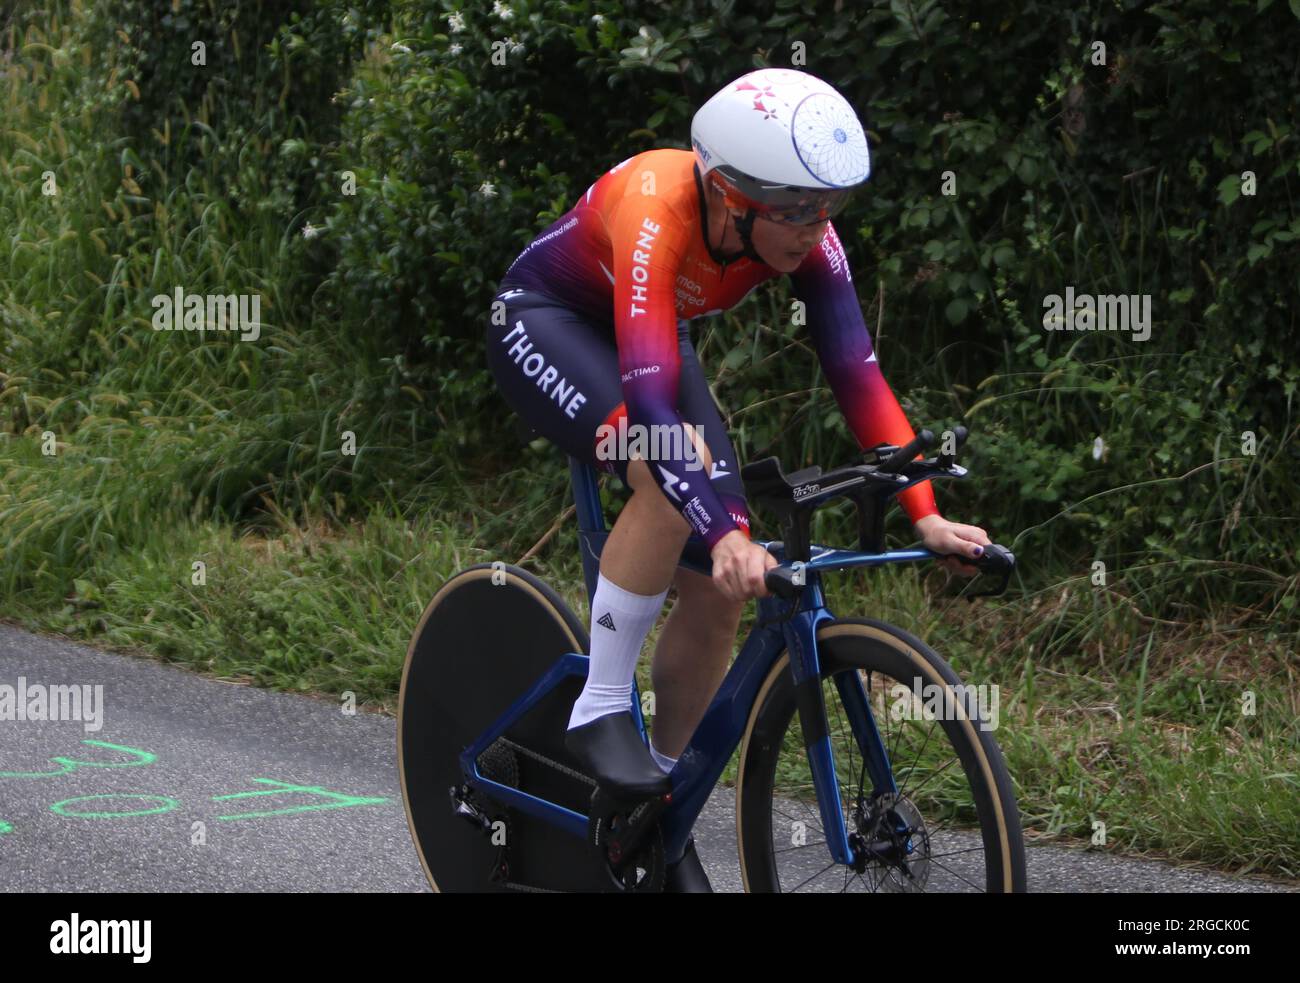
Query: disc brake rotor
x=896, y=845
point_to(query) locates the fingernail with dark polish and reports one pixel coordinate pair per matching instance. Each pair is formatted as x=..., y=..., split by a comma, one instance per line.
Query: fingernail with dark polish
x=979, y=550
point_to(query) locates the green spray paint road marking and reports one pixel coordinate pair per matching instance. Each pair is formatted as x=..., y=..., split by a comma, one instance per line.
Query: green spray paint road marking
x=5, y=828
x=58, y=807
x=343, y=801
x=70, y=765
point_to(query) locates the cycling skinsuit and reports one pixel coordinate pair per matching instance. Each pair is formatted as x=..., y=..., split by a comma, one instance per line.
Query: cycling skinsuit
x=591, y=329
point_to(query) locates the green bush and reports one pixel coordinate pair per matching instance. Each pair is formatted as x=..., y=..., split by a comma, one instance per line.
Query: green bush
x=468, y=130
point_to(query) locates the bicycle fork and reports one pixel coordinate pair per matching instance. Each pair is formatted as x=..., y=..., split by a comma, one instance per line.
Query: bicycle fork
x=850, y=849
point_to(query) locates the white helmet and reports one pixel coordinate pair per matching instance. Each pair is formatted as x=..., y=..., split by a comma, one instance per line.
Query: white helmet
x=782, y=142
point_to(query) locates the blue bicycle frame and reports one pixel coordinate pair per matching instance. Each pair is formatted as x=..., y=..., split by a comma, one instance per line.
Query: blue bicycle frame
x=781, y=625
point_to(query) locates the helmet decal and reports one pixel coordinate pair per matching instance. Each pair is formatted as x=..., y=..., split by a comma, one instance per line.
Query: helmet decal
x=785, y=141
x=829, y=141
x=760, y=93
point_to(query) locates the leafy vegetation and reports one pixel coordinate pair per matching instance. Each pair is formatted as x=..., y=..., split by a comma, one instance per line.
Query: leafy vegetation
x=370, y=168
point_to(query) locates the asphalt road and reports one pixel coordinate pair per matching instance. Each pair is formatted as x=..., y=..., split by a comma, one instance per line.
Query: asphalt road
x=190, y=784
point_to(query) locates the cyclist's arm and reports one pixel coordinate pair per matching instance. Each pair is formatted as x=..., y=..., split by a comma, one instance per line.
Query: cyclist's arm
x=647, y=241
x=839, y=334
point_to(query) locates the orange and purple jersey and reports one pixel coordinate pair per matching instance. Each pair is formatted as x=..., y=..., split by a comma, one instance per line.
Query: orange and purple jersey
x=631, y=254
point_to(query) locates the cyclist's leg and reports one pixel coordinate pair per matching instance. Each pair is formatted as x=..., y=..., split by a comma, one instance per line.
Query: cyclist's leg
x=556, y=369
x=696, y=643
x=560, y=373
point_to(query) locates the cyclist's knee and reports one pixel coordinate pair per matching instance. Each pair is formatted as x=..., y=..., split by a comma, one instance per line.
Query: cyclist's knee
x=639, y=478
x=646, y=491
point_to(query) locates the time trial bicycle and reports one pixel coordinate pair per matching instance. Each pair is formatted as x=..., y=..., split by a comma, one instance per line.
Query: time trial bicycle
x=865, y=763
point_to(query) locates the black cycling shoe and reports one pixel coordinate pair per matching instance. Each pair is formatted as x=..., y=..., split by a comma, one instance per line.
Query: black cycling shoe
x=611, y=751
x=687, y=875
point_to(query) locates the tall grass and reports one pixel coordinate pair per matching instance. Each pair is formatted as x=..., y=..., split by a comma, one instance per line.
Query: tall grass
x=128, y=456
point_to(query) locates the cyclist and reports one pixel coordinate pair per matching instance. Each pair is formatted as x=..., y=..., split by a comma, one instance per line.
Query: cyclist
x=594, y=353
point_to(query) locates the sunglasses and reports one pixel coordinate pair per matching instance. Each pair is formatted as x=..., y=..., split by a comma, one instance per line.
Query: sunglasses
x=803, y=207
x=800, y=216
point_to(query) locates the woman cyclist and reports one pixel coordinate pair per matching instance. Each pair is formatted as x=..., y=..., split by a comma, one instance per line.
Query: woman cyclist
x=594, y=350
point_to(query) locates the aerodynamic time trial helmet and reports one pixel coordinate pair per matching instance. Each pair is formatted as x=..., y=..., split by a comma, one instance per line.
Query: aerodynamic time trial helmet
x=783, y=143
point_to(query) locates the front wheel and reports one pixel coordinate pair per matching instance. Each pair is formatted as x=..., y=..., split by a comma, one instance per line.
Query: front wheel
x=952, y=823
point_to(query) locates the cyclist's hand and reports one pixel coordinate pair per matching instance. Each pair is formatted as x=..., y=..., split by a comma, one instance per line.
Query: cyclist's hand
x=943, y=536
x=739, y=565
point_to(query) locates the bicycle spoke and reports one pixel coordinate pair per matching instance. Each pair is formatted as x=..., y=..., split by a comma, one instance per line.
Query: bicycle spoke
x=792, y=820
x=851, y=741
x=802, y=846
x=958, y=876
x=815, y=876
x=886, y=875
x=815, y=817
x=931, y=775
x=903, y=791
x=875, y=884
x=848, y=799
x=953, y=853
x=898, y=736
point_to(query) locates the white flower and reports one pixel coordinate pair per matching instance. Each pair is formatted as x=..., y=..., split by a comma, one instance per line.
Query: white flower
x=402, y=48
x=1097, y=447
x=502, y=10
x=456, y=22
x=310, y=231
x=644, y=32
x=598, y=18
x=487, y=189
x=455, y=49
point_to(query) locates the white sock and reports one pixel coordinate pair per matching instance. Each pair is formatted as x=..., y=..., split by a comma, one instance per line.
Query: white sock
x=662, y=760
x=620, y=622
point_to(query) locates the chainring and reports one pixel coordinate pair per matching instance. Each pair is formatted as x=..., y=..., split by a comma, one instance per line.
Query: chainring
x=642, y=873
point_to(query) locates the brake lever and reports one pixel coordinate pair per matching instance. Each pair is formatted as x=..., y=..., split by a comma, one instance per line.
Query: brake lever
x=994, y=560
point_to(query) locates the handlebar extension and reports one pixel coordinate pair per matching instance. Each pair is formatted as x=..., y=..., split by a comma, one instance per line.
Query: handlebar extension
x=995, y=560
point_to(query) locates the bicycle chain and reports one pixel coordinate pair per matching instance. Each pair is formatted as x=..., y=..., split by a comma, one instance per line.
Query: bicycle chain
x=519, y=748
